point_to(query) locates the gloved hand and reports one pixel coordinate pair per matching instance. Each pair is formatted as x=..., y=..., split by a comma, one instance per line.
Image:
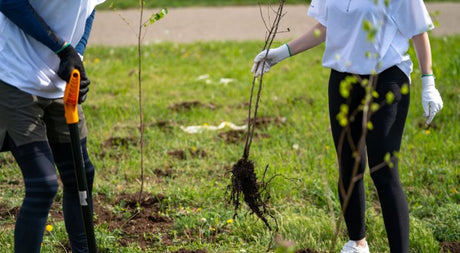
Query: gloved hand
x=70, y=60
x=273, y=57
x=431, y=99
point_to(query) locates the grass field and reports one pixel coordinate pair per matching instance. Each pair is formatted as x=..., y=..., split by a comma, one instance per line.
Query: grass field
x=187, y=174
x=125, y=4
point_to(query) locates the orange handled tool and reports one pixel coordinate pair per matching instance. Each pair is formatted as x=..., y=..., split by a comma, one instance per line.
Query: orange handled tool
x=71, y=94
x=71, y=97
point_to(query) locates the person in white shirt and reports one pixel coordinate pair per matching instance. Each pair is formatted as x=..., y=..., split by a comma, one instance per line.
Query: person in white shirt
x=41, y=43
x=377, y=52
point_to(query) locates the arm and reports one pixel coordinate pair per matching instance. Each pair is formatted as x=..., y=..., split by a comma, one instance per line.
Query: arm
x=81, y=46
x=431, y=99
x=422, y=48
x=313, y=37
x=21, y=13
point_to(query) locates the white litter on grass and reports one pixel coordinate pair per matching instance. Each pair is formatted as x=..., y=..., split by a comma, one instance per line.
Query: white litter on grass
x=199, y=129
x=203, y=77
x=226, y=81
x=207, y=79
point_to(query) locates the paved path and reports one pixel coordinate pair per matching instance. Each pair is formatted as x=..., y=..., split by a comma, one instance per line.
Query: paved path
x=227, y=23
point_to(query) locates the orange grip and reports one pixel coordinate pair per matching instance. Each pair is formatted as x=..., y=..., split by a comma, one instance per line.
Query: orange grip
x=71, y=92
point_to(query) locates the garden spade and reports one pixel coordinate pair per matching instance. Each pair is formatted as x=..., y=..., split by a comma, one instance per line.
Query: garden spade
x=71, y=114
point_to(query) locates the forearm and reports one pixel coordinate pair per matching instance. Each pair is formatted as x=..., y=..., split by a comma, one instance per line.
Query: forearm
x=422, y=48
x=313, y=37
x=21, y=13
x=81, y=46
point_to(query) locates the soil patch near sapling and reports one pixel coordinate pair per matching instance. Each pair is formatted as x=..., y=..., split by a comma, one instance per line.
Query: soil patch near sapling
x=263, y=122
x=191, y=153
x=139, y=223
x=235, y=136
x=188, y=105
x=450, y=247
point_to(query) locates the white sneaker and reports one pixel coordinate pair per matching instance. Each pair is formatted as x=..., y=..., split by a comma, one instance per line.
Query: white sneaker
x=351, y=247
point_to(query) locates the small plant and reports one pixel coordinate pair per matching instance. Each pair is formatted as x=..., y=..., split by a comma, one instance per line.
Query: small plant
x=244, y=179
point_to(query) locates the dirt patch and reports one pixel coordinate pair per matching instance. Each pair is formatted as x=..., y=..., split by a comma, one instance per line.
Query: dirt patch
x=142, y=224
x=165, y=125
x=8, y=212
x=114, y=143
x=266, y=121
x=190, y=251
x=433, y=125
x=452, y=247
x=235, y=136
x=188, y=105
x=120, y=142
x=190, y=153
x=139, y=223
x=6, y=159
x=301, y=100
x=164, y=172
x=177, y=154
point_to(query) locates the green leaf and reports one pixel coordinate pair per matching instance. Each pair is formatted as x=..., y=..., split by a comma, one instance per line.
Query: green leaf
x=405, y=89
x=390, y=97
x=370, y=126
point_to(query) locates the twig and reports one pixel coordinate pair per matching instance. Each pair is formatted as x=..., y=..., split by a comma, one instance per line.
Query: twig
x=141, y=109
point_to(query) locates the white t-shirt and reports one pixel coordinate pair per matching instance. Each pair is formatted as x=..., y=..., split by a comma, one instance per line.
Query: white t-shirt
x=28, y=64
x=348, y=48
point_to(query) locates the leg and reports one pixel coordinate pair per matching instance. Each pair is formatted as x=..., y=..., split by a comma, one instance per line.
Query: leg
x=21, y=121
x=71, y=204
x=346, y=145
x=385, y=138
x=36, y=163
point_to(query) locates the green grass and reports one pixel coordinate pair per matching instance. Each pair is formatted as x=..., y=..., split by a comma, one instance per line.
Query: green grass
x=126, y=4
x=304, y=198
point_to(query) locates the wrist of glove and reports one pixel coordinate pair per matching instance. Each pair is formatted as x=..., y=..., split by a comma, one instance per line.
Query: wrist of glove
x=264, y=61
x=431, y=99
x=70, y=59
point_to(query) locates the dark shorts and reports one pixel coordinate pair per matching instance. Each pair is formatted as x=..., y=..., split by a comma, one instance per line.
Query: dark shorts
x=28, y=118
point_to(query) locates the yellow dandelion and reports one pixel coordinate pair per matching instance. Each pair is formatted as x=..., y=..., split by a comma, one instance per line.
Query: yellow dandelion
x=49, y=228
x=427, y=131
x=454, y=191
x=229, y=221
x=97, y=60
x=212, y=229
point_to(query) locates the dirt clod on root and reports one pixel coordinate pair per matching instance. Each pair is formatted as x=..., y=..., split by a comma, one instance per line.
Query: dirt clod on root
x=244, y=181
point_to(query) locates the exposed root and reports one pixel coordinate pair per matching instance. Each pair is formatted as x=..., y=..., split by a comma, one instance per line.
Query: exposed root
x=244, y=181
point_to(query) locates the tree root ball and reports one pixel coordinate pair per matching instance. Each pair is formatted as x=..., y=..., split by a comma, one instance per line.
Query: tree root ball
x=244, y=181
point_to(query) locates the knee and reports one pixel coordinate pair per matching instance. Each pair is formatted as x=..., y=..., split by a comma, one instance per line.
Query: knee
x=43, y=188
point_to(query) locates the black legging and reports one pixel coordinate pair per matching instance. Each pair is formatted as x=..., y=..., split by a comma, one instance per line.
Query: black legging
x=385, y=138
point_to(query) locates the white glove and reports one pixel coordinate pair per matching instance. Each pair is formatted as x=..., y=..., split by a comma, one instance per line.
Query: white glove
x=431, y=99
x=273, y=57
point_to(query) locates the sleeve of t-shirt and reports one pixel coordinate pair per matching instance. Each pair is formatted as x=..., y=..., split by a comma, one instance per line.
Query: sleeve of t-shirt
x=411, y=17
x=318, y=10
x=21, y=13
x=81, y=46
